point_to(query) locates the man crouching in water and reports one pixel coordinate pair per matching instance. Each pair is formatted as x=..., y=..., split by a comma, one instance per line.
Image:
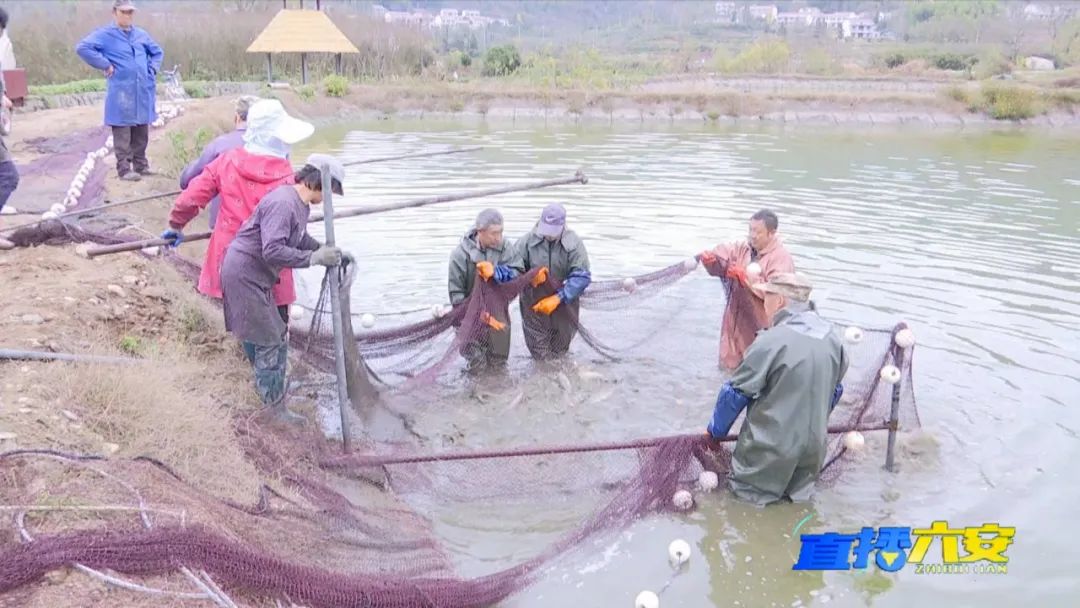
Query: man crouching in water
x=273, y=238
x=788, y=383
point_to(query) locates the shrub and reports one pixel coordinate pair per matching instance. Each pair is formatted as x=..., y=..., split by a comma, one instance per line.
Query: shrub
x=336, y=86
x=763, y=57
x=195, y=90
x=953, y=62
x=894, y=60
x=1009, y=102
x=990, y=64
x=501, y=60
x=306, y=92
x=69, y=88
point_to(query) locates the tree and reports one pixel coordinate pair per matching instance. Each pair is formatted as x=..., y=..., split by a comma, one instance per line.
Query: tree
x=501, y=60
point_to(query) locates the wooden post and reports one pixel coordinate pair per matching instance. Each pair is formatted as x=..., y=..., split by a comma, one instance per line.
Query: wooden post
x=339, y=70
x=894, y=411
x=335, y=309
x=269, y=67
x=303, y=68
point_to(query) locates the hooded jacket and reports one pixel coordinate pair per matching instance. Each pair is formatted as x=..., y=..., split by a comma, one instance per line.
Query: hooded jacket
x=241, y=179
x=462, y=279
x=549, y=336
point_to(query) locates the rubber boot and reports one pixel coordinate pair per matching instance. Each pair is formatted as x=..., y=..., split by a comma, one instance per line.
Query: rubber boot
x=281, y=413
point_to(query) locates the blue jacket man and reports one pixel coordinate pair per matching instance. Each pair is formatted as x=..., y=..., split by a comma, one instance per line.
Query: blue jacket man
x=788, y=383
x=130, y=59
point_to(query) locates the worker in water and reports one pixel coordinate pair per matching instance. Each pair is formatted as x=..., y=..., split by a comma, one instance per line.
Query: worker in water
x=220, y=145
x=483, y=252
x=130, y=60
x=742, y=265
x=275, y=237
x=241, y=177
x=549, y=305
x=788, y=383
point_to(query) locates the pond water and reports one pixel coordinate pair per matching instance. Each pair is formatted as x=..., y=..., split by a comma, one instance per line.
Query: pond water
x=973, y=238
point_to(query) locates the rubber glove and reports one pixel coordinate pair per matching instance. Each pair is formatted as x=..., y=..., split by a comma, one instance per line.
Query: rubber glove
x=485, y=269
x=504, y=274
x=174, y=235
x=326, y=256
x=729, y=404
x=838, y=392
x=707, y=257
x=492, y=322
x=738, y=273
x=541, y=277
x=547, y=305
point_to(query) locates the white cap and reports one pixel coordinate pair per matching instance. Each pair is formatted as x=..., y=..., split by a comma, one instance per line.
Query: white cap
x=268, y=117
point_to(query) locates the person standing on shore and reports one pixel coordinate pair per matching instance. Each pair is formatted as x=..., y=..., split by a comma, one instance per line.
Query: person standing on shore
x=220, y=145
x=241, y=177
x=130, y=60
x=746, y=263
x=9, y=173
x=273, y=239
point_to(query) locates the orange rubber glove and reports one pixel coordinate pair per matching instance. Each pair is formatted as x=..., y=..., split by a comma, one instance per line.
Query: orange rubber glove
x=738, y=273
x=707, y=257
x=492, y=322
x=486, y=270
x=547, y=305
x=541, y=277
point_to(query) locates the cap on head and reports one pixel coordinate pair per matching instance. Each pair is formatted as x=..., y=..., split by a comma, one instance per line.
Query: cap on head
x=123, y=5
x=268, y=117
x=552, y=221
x=243, y=104
x=333, y=165
x=488, y=218
x=791, y=285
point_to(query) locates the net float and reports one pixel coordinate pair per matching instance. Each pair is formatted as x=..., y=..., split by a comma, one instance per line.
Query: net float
x=853, y=334
x=854, y=441
x=629, y=284
x=679, y=552
x=49, y=215
x=708, y=481
x=367, y=320
x=647, y=599
x=683, y=500
x=890, y=374
x=905, y=338
x=57, y=209
x=296, y=313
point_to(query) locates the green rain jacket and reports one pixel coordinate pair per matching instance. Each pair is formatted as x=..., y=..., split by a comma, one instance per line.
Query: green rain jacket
x=551, y=336
x=463, y=277
x=790, y=372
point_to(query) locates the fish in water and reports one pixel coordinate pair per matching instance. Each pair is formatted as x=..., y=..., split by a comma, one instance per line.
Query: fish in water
x=564, y=381
x=515, y=402
x=587, y=375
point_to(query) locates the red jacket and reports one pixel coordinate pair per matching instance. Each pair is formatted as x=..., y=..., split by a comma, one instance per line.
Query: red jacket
x=241, y=179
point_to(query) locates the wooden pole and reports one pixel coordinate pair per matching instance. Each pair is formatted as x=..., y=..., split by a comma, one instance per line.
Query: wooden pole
x=579, y=178
x=33, y=355
x=338, y=61
x=269, y=67
x=894, y=411
x=335, y=310
x=303, y=68
x=90, y=210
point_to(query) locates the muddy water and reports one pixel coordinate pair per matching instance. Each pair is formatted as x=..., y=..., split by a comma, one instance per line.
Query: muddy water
x=972, y=238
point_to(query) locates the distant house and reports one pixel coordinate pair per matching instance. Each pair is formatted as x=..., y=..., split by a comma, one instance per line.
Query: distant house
x=859, y=28
x=411, y=19
x=762, y=12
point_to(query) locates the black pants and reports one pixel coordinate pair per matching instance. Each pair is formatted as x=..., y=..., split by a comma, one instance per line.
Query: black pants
x=130, y=148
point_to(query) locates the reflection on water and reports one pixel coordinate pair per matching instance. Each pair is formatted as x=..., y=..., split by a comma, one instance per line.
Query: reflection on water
x=973, y=238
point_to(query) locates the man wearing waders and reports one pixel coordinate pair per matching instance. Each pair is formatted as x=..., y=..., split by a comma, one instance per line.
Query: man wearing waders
x=483, y=252
x=788, y=383
x=273, y=238
x=549, y=306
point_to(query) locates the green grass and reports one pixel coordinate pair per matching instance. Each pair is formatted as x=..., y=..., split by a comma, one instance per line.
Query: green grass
x=69, y=88
x=305, y=92
x=336, y=86
x=1010, y=102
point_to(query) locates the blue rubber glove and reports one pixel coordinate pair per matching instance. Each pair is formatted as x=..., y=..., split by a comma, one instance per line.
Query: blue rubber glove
x=836, y=394
x=575, y=285
x=504, y=274
x=729, y=403
x=174, y=235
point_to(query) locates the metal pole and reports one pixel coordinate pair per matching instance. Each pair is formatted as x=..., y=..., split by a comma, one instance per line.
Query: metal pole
x=894, y=412
x=335, y=309
x=269, y=67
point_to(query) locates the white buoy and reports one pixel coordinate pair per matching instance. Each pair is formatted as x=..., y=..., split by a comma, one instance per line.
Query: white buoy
x=75, y=192
x=57, y=209
x=629, y=284
x=367, y=320
x=49, y=215
x=905, y=338
x=690, y=264
x=753, y=268
x=678, y=552
x=854, y=441
x=150, y=250
x=853, y=334
x=683, y=500
x=647, y=599
x=79, y=181
x=708, y=481
x=436, y=311
x=69, y=202
x=890, y=374
x=83, y=172
x=90, y=157
x=8, y=210
x=296, y=313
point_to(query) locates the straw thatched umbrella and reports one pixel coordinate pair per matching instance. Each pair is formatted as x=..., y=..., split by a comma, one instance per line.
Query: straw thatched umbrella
x=301, y=31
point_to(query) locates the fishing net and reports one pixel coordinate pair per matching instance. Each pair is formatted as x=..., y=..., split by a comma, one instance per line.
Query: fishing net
x=393, y=543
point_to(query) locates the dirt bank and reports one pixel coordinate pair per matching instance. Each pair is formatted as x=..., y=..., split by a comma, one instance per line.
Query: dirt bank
x=180, y=428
